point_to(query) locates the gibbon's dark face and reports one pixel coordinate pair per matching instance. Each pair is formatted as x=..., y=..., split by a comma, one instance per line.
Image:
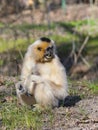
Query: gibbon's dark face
x=44, y=50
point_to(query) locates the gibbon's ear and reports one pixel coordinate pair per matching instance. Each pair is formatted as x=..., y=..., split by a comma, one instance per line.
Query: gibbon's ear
x=55, y=49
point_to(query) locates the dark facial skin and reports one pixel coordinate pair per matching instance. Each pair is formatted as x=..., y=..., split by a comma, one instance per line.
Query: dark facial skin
x=44, y=52
x=49, y=53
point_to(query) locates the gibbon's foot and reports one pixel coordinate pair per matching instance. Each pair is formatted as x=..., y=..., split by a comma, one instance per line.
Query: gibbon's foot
x=28, y=94
x=38, y=107
x=24, y=97
x=20, y=89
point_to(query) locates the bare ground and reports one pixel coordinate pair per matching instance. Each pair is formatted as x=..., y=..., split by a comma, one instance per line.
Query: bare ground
x=83, y=116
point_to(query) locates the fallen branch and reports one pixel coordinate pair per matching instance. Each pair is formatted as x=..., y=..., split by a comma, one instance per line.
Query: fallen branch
x=87, y=121
x=85, y=61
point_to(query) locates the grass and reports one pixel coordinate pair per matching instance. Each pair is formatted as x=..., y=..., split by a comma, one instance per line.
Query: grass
x=79, y=23
x=1, y=62
x=22, y=43
x=92, y=46
x=8, y=83
x=25, y=27
x=1, y=25
x=67, y=37
x=19, y=44
x=83, y=88
x=93, y=87
x=14, y=117
x=21, y=117
x=84, y=27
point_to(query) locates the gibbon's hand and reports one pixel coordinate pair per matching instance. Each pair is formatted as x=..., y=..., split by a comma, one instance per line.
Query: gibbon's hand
x=37, y=79
x=19, y=88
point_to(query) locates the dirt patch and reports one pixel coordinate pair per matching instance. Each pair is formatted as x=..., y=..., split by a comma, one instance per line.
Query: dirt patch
x=82, y=116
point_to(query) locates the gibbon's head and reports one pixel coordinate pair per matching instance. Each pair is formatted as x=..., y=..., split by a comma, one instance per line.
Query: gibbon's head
x=43, y=50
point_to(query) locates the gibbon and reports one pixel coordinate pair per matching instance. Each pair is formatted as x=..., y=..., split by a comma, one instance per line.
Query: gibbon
x=43, y=77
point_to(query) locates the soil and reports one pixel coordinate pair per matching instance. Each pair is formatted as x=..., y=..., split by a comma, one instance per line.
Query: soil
x=82, y=116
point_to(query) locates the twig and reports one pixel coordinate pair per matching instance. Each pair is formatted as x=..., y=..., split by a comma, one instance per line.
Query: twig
x=72, y=53
x=87, y=121
x=21, y=55
x=82, y=47
x=84, y=60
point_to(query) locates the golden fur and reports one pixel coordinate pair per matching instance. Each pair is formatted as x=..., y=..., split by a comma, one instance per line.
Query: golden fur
x=43, y=78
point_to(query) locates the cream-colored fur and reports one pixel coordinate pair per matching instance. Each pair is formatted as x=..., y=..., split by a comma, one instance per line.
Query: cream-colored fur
x=46, y=82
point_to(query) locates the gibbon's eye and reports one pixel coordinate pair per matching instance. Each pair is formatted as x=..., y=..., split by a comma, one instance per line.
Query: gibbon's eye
x=50, y=48
x=39, y=48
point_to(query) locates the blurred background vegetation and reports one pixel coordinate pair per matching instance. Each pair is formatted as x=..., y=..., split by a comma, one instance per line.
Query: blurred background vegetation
x=72, y=24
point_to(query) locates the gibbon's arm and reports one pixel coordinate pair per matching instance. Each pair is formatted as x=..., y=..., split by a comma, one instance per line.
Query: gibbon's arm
x=28, y=67
x=23, y=96
x=59, y=79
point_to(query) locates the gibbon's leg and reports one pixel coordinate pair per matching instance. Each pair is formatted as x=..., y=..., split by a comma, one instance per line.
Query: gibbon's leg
x=43, y=93
x=23, y=96
x=58, y=90
x=42, y=96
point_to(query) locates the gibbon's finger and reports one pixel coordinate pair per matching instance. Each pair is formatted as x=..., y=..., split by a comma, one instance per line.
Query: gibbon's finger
x=19, y=88
x=37, y=79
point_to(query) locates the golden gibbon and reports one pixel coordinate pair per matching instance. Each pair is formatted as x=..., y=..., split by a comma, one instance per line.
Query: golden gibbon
x=43, y=77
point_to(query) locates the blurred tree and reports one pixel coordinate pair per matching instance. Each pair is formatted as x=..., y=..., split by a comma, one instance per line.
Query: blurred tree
x=96, y=2
x=14, y=6
x=64, y=5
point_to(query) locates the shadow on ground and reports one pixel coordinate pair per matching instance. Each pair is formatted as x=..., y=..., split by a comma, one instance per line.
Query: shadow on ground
x=70, y=101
